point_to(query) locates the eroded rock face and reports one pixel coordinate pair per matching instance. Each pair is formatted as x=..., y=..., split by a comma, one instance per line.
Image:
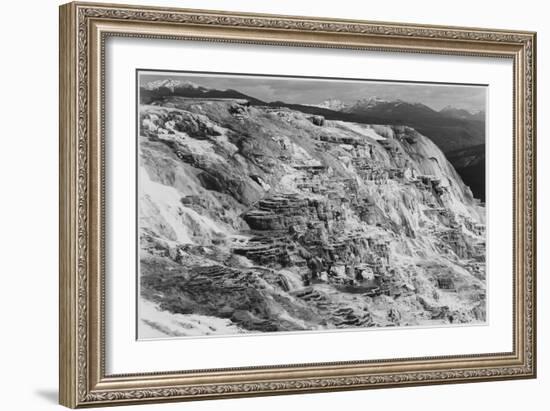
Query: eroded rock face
x=274, y=220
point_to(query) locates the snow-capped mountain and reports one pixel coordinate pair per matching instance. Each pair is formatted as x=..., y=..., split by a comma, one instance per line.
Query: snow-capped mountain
x=461, y=113
x=368, y=103
x=332, y=104
x=379, y=106
x=171, y=84
x=179, y=88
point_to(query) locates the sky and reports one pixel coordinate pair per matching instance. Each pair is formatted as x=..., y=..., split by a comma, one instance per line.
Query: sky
x=315, y=90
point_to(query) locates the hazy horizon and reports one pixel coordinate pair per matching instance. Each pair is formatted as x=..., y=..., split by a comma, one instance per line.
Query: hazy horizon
x=315, y=91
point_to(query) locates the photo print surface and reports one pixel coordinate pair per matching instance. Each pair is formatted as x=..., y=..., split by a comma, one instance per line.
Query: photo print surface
x=285, y=204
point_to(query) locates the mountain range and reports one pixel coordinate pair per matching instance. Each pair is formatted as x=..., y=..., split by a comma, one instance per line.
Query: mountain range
x=377, y=105
x=163, y=88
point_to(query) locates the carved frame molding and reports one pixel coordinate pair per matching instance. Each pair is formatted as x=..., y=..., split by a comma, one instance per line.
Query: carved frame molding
x=83, y=30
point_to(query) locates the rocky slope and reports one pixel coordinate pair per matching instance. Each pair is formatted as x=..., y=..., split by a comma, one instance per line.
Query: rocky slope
x=470, y=164
x=451, y=129
x=260, y=218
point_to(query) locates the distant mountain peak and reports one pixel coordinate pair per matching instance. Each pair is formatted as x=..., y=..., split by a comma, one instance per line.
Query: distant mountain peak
x=377, y=105
x=372, y=101
x=165, y=88
x=363, y=103
x=171, y=84
x=453, y=108
x=331, y=104
x=462, y=113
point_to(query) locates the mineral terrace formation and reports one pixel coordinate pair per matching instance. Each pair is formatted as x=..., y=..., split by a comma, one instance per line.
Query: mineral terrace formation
x=263, y=219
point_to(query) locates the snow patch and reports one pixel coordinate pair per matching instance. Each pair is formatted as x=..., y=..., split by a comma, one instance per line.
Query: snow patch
x=167, y=200
x=155, y=323
x=363, y=130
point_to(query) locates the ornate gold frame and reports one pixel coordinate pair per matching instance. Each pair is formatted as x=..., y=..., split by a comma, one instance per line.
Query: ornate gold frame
x=83, y=30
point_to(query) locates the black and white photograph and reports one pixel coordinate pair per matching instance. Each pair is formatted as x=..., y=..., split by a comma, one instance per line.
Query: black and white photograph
x=272, y=204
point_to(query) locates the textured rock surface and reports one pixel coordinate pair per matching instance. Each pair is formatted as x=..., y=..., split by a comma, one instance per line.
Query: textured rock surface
x=260, y=219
